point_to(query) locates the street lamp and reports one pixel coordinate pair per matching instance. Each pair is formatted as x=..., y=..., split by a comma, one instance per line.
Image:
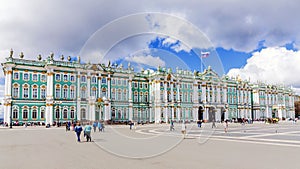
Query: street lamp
x=58, y=103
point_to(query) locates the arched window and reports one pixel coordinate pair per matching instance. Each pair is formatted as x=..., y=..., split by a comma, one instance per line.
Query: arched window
x=94, y=79
x=113, y=113
x=65, y=113
x=125, y=95
x=72, y=113
x=57, y=77
x=103, y=81
x=146, y=97
x=42, y=113
x=141, y=97
x=34, y=77
x=119, y=114
x=65, y=78
x=25, y=114
x=34, y=113
x=25, y=91
x=15, y=113
x=83, y=114
x=57, y=113
x=83, y=79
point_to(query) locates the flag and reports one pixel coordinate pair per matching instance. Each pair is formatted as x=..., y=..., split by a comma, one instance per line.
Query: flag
x=204, y=54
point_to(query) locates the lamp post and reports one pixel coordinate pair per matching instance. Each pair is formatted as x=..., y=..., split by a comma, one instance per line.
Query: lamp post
x=10, y=116
x=58, y=103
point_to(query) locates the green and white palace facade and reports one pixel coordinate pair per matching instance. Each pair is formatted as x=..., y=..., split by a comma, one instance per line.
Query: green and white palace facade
x=51, y=90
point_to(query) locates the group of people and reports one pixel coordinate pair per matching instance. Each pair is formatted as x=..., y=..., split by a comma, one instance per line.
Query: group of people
x=87, y=130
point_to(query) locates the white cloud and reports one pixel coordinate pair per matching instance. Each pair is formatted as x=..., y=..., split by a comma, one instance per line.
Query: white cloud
x=275, y=65
x=146, y=60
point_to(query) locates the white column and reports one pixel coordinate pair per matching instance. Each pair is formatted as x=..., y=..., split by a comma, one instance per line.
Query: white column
x=108, y=87
x=49, y=97
x=130, y=111
x=218, y=94
x=99, y=87
x=89, y=107
x=203, y=97
x=166, y=114
x=78, y=97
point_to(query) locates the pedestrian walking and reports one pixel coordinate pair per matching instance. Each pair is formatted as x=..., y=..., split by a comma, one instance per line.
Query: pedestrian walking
x=99, y=126
x=183, y=129
x=94, y=126
x=213, y=124
x=87, y=132
x=130, y=125
x=172, y=125
x=226, y=126
x=199, y=122
x=78, y=130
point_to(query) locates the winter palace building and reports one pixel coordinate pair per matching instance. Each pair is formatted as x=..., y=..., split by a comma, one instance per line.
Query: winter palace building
x=50, y=90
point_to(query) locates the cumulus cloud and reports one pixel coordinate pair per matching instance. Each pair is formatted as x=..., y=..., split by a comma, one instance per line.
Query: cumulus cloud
x=275, y=65
x=149, y=60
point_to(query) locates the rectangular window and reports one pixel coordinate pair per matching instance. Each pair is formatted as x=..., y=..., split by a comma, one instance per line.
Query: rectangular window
x=25, y=95
x=57, y=93
x=34, y=93
x=34, y=114
x=146, y=86
x=42, y=113
x=83, y=79
x=25, y=114
x=141, y=85
x=16, y=76
x=72, y=93
x=72, y=78
x=94, y=79
x=103, y=81
x=43, y=93
x=57, y=77
x=34, y=77
x=26, y=76
x=65, y=78
x=135, y=85
x=15, y=114
x=16, y=92
x=43, y=78
x=65, y=93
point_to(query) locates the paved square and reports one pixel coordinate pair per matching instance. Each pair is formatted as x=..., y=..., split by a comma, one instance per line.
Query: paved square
x=256, y=145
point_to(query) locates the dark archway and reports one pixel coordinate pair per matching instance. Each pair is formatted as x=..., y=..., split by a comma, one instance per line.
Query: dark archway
x=200, y=113
x=212, y=114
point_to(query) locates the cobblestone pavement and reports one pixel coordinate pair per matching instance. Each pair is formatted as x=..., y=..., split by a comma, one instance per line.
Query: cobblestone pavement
x=255, y=145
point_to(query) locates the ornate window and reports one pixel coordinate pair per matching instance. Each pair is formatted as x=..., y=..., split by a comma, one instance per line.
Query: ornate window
x=65, y=78
x=34, y=113
x=94, y=91
x=25, y=114
x=16, y=76
x=26, y=76
x=57, y=112
x=43, y=92
x=103, y=92
x=15, y=90
x=135, y=97
x=57, y=91
x=146, y=97
x=125, y=95
x=72, y=113
x=94, y=79
x=83, y=114
x=57, y=77
x=83, y=78
x=119, y=94
x=113, y=94
x=15, y=113
x=65, y=92
x=103, y=81
x=141, y=97
x=72, y=78
x=43, y=78
x=34, y=77
x=72, y=92
x=25, y=91
x=34, y=92
x=65, y=113
x=83, y=92
x=42, y=113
